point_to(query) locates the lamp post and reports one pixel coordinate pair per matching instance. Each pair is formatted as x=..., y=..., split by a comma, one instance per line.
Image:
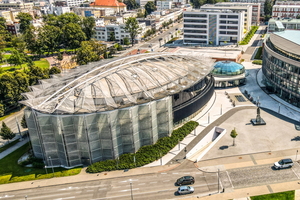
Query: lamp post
x=131, y=190
x=178, y=145
x=208, y=118
x=221, y=110
x=296, y=155
x=185, y=152
x=51, y=166
x=46, y=169
x=25, y=197
x=218, y=180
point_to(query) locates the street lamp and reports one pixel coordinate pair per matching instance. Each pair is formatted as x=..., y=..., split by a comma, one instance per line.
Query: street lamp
x=131, y=190
x=51, y=166
x=25, y=197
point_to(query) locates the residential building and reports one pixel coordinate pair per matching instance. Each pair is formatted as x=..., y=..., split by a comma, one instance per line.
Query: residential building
x=213, y=27
x=281, y=65
x=92, y=11
x=246, y=8
x=261, y=2
x=286, y=9
x=163, y=5
x=17, y=5
x=69, y=3
x=104, y=33
x=281, y=24
x=119, y=7
x=59, y=10
x=142, y=3
x=255, y=17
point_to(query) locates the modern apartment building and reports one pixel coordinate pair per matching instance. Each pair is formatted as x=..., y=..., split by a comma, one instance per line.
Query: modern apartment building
x=213, y=27
x=163, y=5
x=286, y=9
x=246, y=8
x=95, y=12
x=104, y=33
x=255, y=9
x=261, y=2
x=17, y=5
x=71, y=3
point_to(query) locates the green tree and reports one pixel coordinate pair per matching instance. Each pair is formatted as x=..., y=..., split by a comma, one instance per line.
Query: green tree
x=60, y=56
x=90, y=51
x=23, y=122
x=2, y=110
x=88, y=24
x=5, y=35
x=233, y=134
x=18, y=43
x=73, y=35
x=268, y=7
x=126, y=41
x=298, y=17
x=133, y=28
x=54, y=70
x=131, y=4
x=49, y=38
x=6, y=133
x=29, y=38
x=16, y=58
x=25, y=20
x=36, y=73
x=149, y=7
x=67, y=18
x=112, y=36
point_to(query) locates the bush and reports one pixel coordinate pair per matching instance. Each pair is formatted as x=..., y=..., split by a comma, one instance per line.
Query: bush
x=258, y=53
x=257, y=62
x=146, y=154
x=249, y=35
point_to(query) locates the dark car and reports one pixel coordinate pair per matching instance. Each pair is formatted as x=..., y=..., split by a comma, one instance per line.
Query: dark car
x=185, y=180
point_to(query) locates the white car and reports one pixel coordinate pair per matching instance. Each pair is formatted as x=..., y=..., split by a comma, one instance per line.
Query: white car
x=185, y=190
x=284, y=163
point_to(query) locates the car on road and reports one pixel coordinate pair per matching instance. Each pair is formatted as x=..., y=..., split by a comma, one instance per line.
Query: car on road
x=185, y=180
x=185, y=190
x=284, y=163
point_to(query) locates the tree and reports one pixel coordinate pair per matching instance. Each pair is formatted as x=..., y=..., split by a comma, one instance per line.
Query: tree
x=23, y=122
x=268, y=7
x=73, y=35
x=16, y=58
x=126, y=41
x=233, y=134
x=29, y=38
x=298, y=17
x=54, y=70
x=112, y=36
x=49, y=38
x=90, y=51
x=18, y=43
x=88, y=24
x=6, y=133
x=149, y=7
x=131, y=4
x=60, y=56
x=24, y=19
x=133, y=28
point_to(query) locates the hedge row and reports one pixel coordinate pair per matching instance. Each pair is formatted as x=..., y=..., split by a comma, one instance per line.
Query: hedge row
x=257, y=62
x=145, y=154
x=249, y=35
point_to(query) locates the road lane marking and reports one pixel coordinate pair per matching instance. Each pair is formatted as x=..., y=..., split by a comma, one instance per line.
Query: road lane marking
x=45, y=196
x=174, y=173
x=65, y=198
x=142, y=184
x=166, y=180
x=295, y=173
x=153, y=182
x=102, y=189
x=163, y=173
x=229, y=179
x=187, y=173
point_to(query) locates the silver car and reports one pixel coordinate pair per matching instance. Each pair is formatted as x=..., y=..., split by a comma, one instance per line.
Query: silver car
x=284, y=163
x=185, y=190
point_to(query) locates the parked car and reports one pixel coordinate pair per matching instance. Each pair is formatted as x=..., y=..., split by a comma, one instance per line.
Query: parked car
x=185, y=180
x=284, y=163
x=185, y=190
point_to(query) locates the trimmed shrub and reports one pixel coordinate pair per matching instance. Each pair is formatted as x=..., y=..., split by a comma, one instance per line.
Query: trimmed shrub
x=145, y=154
x=249, y=35
x=257, y=62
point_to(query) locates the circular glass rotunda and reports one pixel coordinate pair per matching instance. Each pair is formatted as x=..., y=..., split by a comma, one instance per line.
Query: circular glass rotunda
x=104, y=109
x=228, y=73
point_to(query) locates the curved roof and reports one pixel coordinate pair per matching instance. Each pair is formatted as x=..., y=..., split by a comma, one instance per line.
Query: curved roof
x=117, y=83
x=287, y=40
x=228, y=68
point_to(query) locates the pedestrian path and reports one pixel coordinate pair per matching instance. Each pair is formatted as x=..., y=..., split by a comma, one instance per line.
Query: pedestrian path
x=13, y=148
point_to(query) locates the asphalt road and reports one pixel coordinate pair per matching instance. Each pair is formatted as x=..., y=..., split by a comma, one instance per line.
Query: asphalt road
x=159, y=185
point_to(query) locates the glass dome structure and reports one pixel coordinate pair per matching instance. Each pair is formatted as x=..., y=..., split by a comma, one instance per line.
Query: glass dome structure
x=228, y=68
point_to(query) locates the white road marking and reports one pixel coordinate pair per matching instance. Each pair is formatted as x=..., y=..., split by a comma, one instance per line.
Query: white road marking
x=7, y=196
x=153, y=182
x=65, y=198
x=142, y=184
x=43, y=197
x=166, y=180
x=89, y=190
x=163, y=173
x=187, y=173
x=229, y=179
x=174, y=173
x=102, y=189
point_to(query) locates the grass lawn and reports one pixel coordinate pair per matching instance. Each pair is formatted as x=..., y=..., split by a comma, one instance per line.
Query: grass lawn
x=43, y=63
x=289, y=195
x=8, y=145
x=11, y=172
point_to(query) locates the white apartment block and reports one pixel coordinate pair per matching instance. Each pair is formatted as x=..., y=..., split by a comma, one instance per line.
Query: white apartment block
x=246, y=8
x=142, y=3
x=163, y=5
x=17, y=5
x=216, y=28
x=275, y=25
x=255, y=9
x=72, y=3
x=261, y=2
x=103, y=33
x=286, y=9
